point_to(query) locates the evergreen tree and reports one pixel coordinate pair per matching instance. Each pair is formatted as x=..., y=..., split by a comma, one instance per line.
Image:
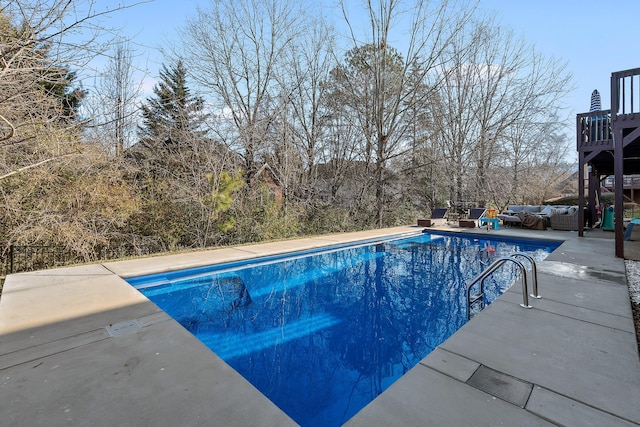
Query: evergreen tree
x=57, y=84
x=175, y=158
x=172, y=118
x=37, y=91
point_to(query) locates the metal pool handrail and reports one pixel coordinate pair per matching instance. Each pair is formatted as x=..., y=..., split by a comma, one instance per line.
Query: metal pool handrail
x=479, y=297
x=534, y=272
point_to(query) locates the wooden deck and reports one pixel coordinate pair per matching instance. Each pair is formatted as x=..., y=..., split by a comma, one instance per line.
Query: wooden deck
x=608, y=142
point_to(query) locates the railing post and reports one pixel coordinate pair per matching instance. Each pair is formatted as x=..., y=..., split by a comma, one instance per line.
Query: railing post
x=534, y=273
x=11, y=259
x=525, y=291
x=493, y=267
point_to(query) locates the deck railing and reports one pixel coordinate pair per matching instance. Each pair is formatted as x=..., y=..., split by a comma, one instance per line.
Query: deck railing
x=629, y=181
x=625, y=93
x=594, y=129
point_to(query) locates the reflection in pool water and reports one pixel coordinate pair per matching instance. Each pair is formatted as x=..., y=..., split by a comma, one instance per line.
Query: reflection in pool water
x=322, y=334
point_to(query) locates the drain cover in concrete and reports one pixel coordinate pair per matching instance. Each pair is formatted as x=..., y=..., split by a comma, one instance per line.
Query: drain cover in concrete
x=501, y=385
x=123, y=328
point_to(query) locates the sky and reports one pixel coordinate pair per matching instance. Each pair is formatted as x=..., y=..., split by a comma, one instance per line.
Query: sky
x=592, y=38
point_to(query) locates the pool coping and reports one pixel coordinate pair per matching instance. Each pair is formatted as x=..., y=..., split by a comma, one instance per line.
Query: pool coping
x=79, y=344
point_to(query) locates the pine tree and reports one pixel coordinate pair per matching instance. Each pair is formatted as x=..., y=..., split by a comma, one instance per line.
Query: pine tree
x=172, y=118
x=36, y=87
x=175, y=157
x=57, y=84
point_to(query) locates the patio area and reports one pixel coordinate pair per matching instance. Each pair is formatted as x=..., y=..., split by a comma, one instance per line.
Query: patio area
x=80, y=346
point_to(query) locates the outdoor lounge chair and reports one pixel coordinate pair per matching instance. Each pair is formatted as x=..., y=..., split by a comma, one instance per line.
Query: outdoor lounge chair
x=472, y=220
x=437, y=218
x=565, y=219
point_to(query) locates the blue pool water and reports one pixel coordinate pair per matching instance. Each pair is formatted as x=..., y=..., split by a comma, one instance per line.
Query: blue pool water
x=322, y=333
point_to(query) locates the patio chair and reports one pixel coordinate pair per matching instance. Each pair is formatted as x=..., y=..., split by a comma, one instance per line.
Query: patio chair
x=437, y=218
x=472, y=220
x=566, y=220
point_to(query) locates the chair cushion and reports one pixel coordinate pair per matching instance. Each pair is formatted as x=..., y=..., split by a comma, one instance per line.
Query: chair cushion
x=476, y=213
x=531, y=209
x=439, y=213
x=559, y=211
x=546, y=210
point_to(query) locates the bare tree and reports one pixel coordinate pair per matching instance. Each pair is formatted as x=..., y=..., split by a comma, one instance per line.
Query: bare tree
x=424, y=169
x=235, y=50
x=42, y=45
x=303, y=91
x=340, y=157
x=38, y=48
x=112, y=108
x=393, y=92
x=495, y=87
x=532, y=163
x=123, y=93
x=455, y=126
x=514, y=84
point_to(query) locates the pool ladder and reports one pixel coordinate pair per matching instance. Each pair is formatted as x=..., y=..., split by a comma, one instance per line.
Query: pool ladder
x=478, y=298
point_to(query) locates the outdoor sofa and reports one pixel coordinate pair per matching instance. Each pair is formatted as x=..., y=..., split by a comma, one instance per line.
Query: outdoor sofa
x=556, y=217
x=514, y=214
x=565, y=218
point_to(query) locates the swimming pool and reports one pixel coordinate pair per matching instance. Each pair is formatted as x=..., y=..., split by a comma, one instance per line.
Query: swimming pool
x=322, y=333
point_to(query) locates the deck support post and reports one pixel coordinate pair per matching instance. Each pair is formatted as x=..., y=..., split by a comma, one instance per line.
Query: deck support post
x=618, y=167
x=581, y=193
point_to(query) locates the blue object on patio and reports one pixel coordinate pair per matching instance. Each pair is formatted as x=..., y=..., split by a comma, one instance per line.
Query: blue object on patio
x=494, y=222
x=608, y=223
x=629, y=230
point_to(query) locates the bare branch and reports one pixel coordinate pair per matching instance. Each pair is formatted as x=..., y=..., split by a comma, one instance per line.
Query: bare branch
x=12, y=129
x=35, y=165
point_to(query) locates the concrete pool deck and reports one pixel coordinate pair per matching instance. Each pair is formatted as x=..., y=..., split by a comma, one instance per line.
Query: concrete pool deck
x=79, y=346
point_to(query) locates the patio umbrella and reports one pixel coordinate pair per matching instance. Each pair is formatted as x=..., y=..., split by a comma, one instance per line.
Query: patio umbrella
x=596, y=105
